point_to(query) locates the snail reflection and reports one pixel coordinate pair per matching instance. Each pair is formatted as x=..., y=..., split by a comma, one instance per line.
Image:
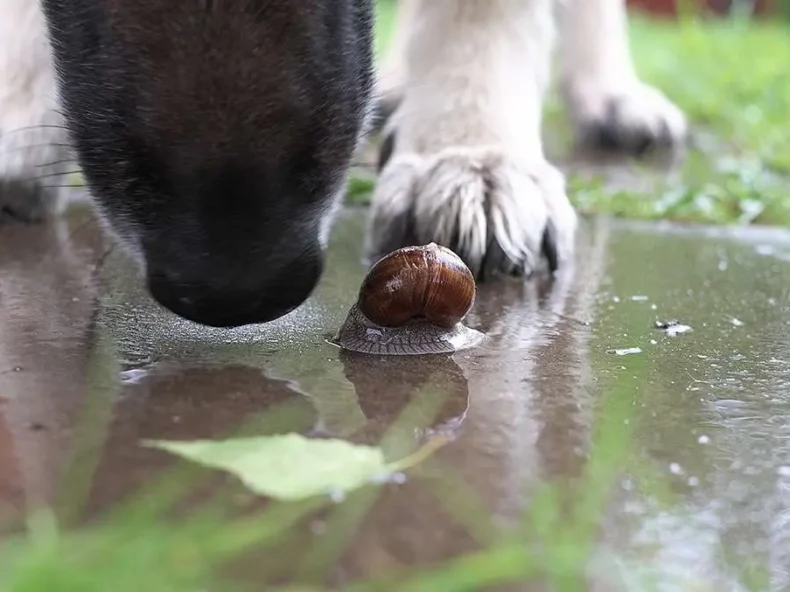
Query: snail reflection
x=411, y=396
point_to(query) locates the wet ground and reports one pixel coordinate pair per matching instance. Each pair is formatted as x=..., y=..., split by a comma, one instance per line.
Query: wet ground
x=669, y=453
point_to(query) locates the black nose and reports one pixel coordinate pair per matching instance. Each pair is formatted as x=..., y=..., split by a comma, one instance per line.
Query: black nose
x=209, y=295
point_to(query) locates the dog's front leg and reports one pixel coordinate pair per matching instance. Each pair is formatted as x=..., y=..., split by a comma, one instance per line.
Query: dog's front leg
x=462, y=160
x=611, y=107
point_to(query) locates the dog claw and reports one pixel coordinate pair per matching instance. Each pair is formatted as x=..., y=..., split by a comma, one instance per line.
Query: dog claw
x=548, y=246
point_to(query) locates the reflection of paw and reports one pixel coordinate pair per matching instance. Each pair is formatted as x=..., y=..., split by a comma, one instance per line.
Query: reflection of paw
x=633, y=118
x=497, y=212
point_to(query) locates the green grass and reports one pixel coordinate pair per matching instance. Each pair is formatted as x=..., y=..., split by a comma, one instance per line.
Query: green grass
x=730, y=78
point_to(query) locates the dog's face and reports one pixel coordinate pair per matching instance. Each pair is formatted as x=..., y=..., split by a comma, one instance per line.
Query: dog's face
x=215, y=136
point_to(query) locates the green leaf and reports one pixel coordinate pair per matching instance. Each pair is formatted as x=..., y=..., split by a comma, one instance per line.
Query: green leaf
x=286, y=467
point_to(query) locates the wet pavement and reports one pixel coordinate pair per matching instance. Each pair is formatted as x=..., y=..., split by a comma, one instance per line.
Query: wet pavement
x=675, y=449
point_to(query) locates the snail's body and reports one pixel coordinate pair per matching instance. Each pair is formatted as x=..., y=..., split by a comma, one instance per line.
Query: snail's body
x=416, y=337
x=412, y=302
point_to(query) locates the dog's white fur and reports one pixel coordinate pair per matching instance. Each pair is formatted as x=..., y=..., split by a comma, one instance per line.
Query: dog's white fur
x=32, y=139
x=468, y=159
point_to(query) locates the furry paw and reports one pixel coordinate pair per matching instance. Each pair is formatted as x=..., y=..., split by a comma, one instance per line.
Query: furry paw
x=634, y=118
x=497, y=212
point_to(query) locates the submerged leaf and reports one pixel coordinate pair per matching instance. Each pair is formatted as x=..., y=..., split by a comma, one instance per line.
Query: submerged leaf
x=286, y=467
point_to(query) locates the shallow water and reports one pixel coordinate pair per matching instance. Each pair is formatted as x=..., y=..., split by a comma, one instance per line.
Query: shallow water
x=677, y=444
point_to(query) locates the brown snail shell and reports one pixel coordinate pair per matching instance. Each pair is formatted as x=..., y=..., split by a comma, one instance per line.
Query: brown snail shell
x=412, y=301
x=429, y=282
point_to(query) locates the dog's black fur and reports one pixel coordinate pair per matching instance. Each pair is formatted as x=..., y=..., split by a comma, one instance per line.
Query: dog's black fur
x=215, y=136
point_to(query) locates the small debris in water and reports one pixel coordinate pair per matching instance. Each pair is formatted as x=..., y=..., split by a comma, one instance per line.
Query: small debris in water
x=625, y=352
x=672, y=328
x=337, y=496
x=133, y=376
x=728, y=403
x=765, y=250
x=318, y=527
x=398, y=478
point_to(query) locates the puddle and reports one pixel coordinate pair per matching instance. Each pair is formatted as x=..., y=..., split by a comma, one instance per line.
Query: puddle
x=685, y=446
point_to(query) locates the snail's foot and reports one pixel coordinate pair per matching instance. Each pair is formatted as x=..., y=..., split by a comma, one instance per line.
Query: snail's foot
x=498, y=213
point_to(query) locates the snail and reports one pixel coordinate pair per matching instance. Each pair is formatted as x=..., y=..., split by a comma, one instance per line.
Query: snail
x=412, y=302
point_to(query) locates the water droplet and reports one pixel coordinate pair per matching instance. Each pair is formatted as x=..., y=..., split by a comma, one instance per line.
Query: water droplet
x=625, y=352
x=736, y=322
x=133, y=376
x=639, y=298
x=337, y=495
x=675, y=469
x=703, y=439
x=318, y=527
x=693, y=481
x=765, y=250
x=728, y=403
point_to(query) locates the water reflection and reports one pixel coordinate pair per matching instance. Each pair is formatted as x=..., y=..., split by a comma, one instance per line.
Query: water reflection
x=671, y=465
x=424, y=397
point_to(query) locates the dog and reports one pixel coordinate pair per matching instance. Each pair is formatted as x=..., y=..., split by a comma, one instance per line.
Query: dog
x=216, y=137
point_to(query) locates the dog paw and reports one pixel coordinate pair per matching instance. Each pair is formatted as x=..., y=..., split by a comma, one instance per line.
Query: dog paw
x=500, y=214
x=634, y=118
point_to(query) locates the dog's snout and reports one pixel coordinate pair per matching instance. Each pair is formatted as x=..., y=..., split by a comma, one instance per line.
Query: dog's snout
x=208, y=295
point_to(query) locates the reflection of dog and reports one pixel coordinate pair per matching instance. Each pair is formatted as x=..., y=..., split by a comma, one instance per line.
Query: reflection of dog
x=513, y=413
x=215, y=136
